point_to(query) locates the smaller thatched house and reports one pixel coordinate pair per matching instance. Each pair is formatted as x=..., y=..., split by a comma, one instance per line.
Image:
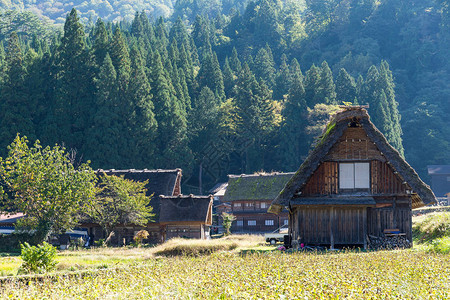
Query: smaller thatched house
x=353, y=185
x=160, y=182
x=250, y=196
x=185, y=216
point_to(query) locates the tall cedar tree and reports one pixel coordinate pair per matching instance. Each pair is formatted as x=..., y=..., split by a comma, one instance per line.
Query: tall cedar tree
x=228, y=79
x=171, y=142
x=327, y=89
x=311, y=84
x=76, y=85
x=16, y=108
x=294, y=142
x=282, y=81
x=105, y=138
x=254, y=116
x=144, y=124
x=345, y=88
x=264, y=67
x=210, y=75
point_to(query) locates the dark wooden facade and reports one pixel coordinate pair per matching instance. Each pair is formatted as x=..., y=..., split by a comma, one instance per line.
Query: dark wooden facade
x=352, y=185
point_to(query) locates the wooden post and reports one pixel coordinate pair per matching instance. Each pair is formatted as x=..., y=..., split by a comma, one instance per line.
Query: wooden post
x=365, y=227
x=331, y=227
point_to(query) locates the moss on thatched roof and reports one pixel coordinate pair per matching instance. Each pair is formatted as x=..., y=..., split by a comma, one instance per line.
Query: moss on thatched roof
x=262, y=186
x=422, y=194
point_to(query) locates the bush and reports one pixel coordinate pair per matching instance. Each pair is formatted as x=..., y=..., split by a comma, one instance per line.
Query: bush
x=140, y=236
x=37, y=259
x=441, y=245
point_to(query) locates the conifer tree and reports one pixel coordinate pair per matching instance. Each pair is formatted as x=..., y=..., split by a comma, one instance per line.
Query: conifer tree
x=16, y=108
x=106, y=139
x=228, y=79
x=282, y=81
x=143, y=118
x=121, y=60
x=75, y=90
x=211, y=76
x=264, y=67
x=101, y=43
x=345, y=88
x=294, y=141
x=235, y=63
x=311, y=84
x=327, y=90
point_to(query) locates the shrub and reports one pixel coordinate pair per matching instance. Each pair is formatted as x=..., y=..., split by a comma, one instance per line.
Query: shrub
x=37, y=259
x=140, y=236
x=441, y=245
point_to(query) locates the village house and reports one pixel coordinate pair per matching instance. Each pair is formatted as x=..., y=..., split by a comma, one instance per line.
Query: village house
x=249, y=196
x=164, y=187
x=440, y=179
x=352, y=185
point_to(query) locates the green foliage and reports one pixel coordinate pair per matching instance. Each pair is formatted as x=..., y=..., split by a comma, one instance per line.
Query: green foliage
x=432, y=227
x=37, y=259
x=227, y=220
x=140, y=236
x=44, y=184
x=441, y=245
x=119, y=201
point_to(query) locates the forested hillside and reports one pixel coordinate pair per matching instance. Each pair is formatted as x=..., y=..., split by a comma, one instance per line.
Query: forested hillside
x=218, y=89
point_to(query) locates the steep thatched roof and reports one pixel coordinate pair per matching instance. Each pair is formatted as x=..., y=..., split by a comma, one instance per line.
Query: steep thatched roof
x=263, y=186
x=186, y=208
x=422, y=194
x=160, y=182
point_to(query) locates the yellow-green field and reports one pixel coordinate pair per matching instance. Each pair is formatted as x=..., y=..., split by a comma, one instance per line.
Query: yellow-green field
x=401, y=274
x=217, y=269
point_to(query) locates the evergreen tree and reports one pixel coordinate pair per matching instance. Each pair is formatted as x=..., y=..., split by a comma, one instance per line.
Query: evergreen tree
x=171, y=142
x=327, y=90
x=386, y=83
x=143, y=119
x=228, y=79
x=345, y=88
x=294, y=141
x=106, y=139
x=75, y=90
x=101, y=43
x=16, y=108
x=235, y=63
x=121, y=60
x=264, y=67
x=254, y=116
x=311, y=84
x=282, y=81
x=211, y=76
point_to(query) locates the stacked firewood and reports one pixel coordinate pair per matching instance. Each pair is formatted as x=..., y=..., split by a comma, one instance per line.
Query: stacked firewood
x=388, y=242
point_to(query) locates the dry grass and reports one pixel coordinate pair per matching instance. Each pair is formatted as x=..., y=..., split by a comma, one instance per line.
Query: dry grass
x=185, y=247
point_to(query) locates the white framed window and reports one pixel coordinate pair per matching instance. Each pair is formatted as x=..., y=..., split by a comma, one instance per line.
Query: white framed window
x=251, y=222
x=240, y=223
x=263, y=205
x=237, y=204
x=286, y=222
x=269, y=222
x=354, y=175
x=249, y=204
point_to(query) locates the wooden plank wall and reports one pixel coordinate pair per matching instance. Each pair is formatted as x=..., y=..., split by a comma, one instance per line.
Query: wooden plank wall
x=325, y=181
x=330, y=225
x=379, y=219
x=384, y=180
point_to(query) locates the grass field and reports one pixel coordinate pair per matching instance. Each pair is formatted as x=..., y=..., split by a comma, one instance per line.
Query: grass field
x=180, y=269
x=401, y=274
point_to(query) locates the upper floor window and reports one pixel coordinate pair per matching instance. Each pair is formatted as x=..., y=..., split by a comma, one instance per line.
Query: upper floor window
x=237, y=204
x=269, y=222
x=263, y=205
x=354, y=175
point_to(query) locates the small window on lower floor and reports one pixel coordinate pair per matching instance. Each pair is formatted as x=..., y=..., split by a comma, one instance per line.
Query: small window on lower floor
x=251, y=222
x=269, y=222
x=240, y=223
x=286, y=222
